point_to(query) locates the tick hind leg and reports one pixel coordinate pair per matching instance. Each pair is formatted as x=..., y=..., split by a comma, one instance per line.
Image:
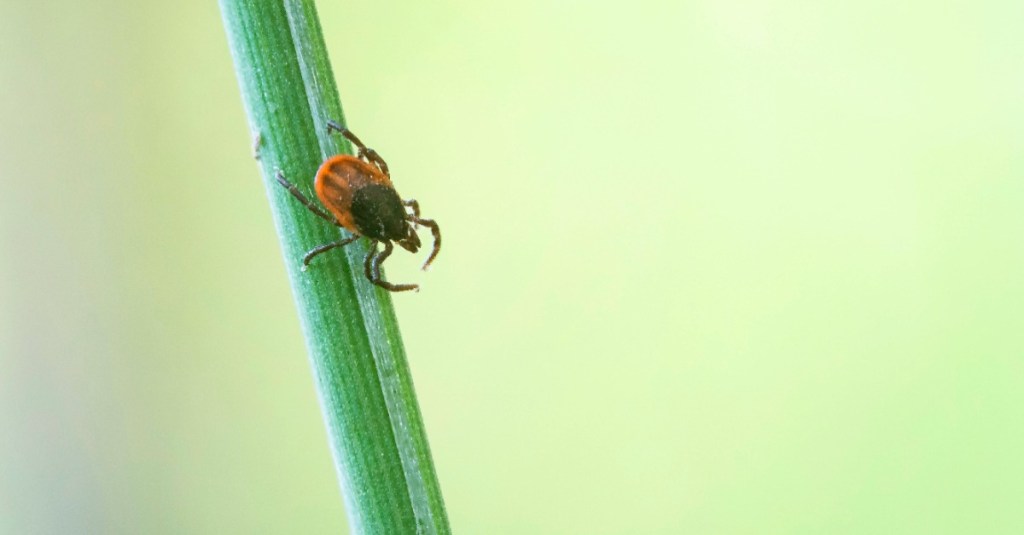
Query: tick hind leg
x=305, y=200
x=372, y=268
x=436, y=231
x=365, y=152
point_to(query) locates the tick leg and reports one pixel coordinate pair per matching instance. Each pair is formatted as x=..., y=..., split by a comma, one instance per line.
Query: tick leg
x=374, y=267
x=365, y=152
x=368, y=262
x=304, y=200
x=371, y=155
x=326, y=247
x=436, y=231
x=411, y=203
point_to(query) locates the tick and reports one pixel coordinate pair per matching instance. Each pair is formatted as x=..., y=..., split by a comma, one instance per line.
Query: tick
x=359, y=197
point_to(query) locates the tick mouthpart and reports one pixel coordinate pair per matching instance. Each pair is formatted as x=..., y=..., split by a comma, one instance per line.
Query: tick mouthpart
x=411, y=244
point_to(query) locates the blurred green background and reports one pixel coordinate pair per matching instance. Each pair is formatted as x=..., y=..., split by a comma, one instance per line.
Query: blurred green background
x=710, y=267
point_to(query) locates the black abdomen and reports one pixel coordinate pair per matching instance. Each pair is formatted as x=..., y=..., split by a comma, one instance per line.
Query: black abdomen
x=378, y=213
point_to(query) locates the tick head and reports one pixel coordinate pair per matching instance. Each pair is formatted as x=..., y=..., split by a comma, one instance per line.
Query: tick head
x=411, y=242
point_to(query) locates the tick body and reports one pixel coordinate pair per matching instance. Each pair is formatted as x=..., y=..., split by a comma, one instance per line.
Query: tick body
x=359, y=197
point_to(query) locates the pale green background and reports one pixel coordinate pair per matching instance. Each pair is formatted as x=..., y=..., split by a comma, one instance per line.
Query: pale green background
x=710, y=267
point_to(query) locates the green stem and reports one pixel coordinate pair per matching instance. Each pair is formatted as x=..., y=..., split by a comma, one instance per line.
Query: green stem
x=362, y=377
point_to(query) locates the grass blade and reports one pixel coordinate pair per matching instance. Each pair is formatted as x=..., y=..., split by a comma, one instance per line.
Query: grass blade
x=375, y=430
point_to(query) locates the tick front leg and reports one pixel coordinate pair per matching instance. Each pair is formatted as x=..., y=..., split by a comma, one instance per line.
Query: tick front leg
x=415, y=206
x=436, y=231
x=411, y=203
x=326, y=247
x=368, y=261
x=372, y=266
